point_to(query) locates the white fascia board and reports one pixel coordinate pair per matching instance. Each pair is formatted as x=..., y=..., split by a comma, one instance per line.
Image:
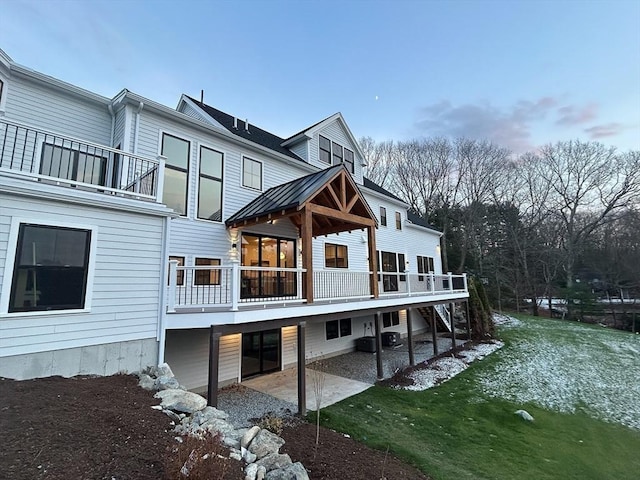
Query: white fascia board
x=382, y=196
x=30, y=188
x=422, y=228
x=167, y=112
x=302, y=136
x=184, y=100
x=59, y=84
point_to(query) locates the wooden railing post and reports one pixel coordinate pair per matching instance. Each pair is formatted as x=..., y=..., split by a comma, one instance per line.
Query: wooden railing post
x=173, y=280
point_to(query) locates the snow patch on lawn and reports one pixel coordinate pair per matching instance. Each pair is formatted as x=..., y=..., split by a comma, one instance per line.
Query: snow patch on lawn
x=445, y=368
x=569, y=368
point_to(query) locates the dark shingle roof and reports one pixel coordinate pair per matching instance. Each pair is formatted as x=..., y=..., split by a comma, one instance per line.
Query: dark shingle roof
x=255, y=134
x=374, y=186
x=418, y=220
x=285, y=196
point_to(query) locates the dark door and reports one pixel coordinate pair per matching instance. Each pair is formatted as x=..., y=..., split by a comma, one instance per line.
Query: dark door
x=260, y=352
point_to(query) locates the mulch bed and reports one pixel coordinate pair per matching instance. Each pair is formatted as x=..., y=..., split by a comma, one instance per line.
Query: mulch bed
x=105, y=428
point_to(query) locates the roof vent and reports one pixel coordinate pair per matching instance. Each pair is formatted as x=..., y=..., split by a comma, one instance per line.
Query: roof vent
x=246, y=124
x=235, y=122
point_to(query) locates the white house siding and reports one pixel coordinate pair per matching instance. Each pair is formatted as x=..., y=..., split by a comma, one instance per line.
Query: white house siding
x=193, y=113
x=125, y=296
x=301, y=149
x=31, y=103
x=187, y=352
x=119, y=129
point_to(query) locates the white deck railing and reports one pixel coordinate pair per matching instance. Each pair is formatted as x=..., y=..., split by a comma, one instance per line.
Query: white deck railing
x=70, y=162
x=233, y=286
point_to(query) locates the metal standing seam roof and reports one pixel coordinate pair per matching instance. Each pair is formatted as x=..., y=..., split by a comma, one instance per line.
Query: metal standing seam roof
x=285, y=196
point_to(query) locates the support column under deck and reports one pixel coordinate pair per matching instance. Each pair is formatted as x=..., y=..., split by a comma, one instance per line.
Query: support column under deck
x=412, y=360
x=434, y=337
x=302, y=371
x=468, y=320
x=214, y=357
x=379, y=368
x=452, y=306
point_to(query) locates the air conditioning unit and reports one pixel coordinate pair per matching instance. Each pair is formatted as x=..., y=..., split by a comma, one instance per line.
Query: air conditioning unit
x=390, y=339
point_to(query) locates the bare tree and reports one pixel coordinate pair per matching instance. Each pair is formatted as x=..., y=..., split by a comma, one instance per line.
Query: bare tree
x=379, y=158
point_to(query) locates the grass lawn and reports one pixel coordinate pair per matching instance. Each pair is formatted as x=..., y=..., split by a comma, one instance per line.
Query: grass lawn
x=581, y=384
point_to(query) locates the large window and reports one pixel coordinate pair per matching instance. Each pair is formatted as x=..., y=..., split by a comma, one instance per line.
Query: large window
x=338, y=328
x=390, y=319
x=335, y=154
x=207, y=277
x=251, y=173
x=425, y=265
x=174, y=193
x=210, y=185
x=51, y=268
x=335, y=256
x=398, y=221
x=273, y=252
x=389, y=264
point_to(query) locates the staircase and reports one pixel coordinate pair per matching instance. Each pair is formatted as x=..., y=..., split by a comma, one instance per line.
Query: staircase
x=442, y=315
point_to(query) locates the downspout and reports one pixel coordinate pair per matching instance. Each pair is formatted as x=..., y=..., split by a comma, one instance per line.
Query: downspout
x=137, y=128
x=162, y=310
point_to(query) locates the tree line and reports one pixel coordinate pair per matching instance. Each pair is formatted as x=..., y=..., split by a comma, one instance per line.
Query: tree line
x=560, y=222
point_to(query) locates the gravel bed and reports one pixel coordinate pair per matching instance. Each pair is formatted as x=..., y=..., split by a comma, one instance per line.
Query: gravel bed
x=361, y=366
x=245, y=405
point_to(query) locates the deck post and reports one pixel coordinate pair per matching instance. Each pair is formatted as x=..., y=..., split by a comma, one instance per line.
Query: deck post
x=307, y=252
x=214, y=358
x=432, y=278
x=173, y=280
x=434, y=337
x=162, y=160
x=235, y=284
x=468, y=320
x=452, y=306
x=302, y=378
x=412, y=360
x=373, y=262
x=379, y=368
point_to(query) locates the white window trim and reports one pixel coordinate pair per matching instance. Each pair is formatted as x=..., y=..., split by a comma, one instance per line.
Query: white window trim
x=196, y=187
x=3, y=96
x=183, y=136
x=242, y=185
x=341, y=145
x=12, y=247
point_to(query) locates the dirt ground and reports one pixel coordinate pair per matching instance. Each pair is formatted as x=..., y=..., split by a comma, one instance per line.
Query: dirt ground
x=104, y=428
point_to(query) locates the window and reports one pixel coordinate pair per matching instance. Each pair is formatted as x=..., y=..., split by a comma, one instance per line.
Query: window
x=383, y=216
x=210, y=185
x=338, y=328
x=389, y=264
x=207, y=277
x=174, y=193
x=402, y=266
x=337, y=153
x=180, y=273
x=70, y=164
x=425, y=265
x=349, y=160
x=325, y=149
x=51, y=268
x=335, y=256
x=251, y=173
x=390, y=319
x=398, y=221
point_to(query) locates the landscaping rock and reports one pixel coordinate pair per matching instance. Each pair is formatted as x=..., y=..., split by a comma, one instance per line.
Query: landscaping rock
x=251, y=471
x=262, y=472
x=181, y=401
x=275, y=461
x=162, y=370
x=525, y=415
x=146, y=382
x=166, y=383
x=208, y=413
x=220, y=426
x=172, y=415
x=249, y=436
x=247, y=456
x=265, y=443
x=295, y=471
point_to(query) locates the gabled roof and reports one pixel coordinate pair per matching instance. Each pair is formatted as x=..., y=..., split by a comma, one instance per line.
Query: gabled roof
x=253, y=134
x=285, y=196
x=418, y=220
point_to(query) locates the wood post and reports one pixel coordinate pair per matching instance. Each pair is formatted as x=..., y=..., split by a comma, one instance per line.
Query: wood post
x=373, y=261
x=307, y=252
x=380, y=371
x=433, y=330
x=214, y=356
x=302, y=379
x=412, y=360
x=452, y=306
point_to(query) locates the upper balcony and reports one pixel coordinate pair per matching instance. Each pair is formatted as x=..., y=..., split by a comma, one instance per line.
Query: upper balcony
x=73, y=163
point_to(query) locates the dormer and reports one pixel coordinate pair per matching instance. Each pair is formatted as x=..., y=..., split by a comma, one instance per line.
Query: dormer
x=329, y=142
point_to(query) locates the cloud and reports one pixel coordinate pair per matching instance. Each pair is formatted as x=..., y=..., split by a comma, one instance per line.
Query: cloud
x=604, y=130
x=572, y=115
x=510, y=127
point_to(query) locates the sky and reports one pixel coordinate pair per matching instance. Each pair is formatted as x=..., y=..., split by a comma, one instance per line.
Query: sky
x=520, y=73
